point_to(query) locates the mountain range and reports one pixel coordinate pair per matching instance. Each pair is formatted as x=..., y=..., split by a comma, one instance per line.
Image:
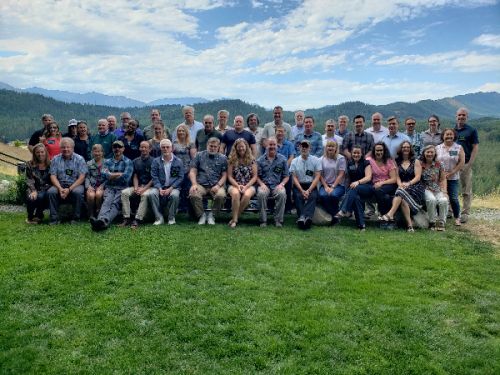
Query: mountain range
x=97, y=98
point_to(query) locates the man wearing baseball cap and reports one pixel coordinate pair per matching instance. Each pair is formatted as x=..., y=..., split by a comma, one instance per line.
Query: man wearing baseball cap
x=72, y=130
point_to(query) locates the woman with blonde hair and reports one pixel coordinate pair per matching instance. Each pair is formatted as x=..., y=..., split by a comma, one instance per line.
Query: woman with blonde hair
x=242, y=176
x=185, y=150
x=38, y=182
x=94, y=181
x=332, y=187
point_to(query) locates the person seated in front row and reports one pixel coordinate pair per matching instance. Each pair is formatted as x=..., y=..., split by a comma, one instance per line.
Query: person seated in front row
x=306, y=171
x=272, y=178
x=67, y=175
x=118, y=171
x=384, y=176
x=167, y=172
x=37, y=182
x=208, y=176
x=94, y=181
x=434, y=180
x=242, y=176
x=331, y=187
x=410, y=192
x=141, y=187
x=359, y=173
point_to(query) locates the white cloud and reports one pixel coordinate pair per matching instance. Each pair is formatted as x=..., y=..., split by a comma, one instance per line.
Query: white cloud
x=489, y=86
x=488, y=40
x=457, y=60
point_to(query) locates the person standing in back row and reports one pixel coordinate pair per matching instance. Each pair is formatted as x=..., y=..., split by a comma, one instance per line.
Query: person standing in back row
x=467, y=137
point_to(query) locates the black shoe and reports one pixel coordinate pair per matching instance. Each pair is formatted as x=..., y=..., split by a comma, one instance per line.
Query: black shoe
x=124, y=223
x=301, y=223
x=101, y=224
x=308, y=223
x=93, y=223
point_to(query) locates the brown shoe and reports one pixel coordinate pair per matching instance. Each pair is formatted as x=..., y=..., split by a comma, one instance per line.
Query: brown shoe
x=124, y=223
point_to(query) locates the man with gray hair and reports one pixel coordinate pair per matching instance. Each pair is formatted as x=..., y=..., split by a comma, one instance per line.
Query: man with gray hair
x=208, y=176
x=104, y=137
x=167, y=172
x=298, y=128
x=67, y=175
x=193, y=125
x=111, y=123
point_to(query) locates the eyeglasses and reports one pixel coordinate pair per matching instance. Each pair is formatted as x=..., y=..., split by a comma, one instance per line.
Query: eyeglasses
x=410, y=123
x=117, y=146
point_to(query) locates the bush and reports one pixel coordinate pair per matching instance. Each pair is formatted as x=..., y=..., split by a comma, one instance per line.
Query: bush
x=15, y=192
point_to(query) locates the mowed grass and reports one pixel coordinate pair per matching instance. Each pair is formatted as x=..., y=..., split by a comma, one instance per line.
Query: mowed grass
x=197, y=300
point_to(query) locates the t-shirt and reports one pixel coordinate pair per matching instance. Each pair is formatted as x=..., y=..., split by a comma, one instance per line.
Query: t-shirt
x=231, y=136
x=467, y=137
x=305, y=169
x=381, y=173
x=332, y=167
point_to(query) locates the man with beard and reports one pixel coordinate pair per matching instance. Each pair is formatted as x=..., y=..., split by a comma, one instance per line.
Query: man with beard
x=118, y=171
x=208, y=176
x=132, y=140
x=206, y=133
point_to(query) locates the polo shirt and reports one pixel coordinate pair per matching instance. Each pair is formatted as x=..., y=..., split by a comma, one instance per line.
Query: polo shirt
x=467, y=137
x=305, y=169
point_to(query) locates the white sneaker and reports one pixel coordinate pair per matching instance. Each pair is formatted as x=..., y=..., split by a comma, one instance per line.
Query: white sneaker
x=211, y=220
x=158, y=222
x=203, y=219
x=171, y=221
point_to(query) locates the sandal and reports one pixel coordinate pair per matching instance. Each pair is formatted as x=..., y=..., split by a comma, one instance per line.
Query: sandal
x=410, y=229
x=232, y=223
x=386, y=218
x=458, y=223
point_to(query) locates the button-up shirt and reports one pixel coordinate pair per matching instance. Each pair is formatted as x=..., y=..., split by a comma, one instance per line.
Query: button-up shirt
x=364, y=140
x=378, y=134
x=272, y=171
x=123, y=165
x=210, y=167
x=416, y=142
x=430, y=139
x=68, y=170
x=316, y=143
x=393, y=142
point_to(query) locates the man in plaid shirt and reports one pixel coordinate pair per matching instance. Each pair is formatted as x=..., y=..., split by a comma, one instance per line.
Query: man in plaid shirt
x=118, y=171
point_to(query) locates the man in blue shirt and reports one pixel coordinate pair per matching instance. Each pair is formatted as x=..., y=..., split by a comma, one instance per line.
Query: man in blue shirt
x=67, y=175
x=314, y=138
x=272, y=179
x=118, y=172
x=467, y=137
x=394, y=139
x=230, y=136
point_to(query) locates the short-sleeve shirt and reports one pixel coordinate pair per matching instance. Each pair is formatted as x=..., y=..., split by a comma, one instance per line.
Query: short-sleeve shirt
x=430, y=176
x=449, y=158
x=314, y=139
x=356, y=172
x=67, y=171
x=35, y=137
x=364, y=140
x=305, y=169
x=467, y=137
x=381, y=173
x=209, y=167
x=286, y=149
x=430, y=139
x=142, y=168
x=202, y=138
x=416, y=142
x=95, y=176
x=332, y=167
x=231, y=136
x=242, y=173
x=272, y=171
x=132, y=147
x=270, y=130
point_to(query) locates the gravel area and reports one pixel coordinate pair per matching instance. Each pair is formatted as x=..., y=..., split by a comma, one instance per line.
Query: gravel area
x=11, y=208
x=489, y=214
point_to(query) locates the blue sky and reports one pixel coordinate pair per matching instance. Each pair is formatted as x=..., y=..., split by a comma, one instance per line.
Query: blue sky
x=299, y=54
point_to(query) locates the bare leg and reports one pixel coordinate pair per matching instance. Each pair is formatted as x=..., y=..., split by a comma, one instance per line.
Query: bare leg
x=235, y=205
x=406, y=213
x=91, y=202
x=396, y=201
x=98, y=199
x=245, y=200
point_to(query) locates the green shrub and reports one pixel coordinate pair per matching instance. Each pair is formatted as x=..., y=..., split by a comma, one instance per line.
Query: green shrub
x=16, y=191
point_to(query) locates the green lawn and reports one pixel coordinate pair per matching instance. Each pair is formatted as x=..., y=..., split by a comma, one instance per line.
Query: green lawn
x=196, y=300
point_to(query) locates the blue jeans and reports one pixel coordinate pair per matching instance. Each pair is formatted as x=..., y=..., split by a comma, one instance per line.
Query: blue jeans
x=453, y=186
x=384, y=196
x=354, y=202
x=331, y=201
x=305, y=207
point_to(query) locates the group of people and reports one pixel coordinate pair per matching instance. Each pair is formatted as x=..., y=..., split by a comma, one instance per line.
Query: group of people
x=129, y=169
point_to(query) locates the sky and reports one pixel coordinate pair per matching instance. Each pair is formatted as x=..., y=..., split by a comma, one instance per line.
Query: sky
x=298, y=54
